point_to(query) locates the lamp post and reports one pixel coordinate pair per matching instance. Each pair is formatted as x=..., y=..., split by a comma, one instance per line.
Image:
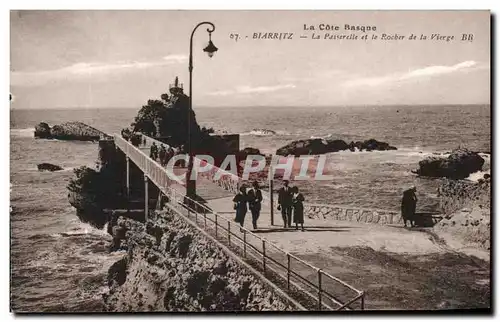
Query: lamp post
x=210, y=50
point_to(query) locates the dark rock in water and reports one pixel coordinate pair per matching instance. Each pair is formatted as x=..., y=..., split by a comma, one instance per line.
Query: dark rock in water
x=336, y=145
x=302, y=147
x=374, y=145
x=248, y=151
x=320, y=146
x=42, y=131
x=69, y=131
x=48, y=167
x=459, y=165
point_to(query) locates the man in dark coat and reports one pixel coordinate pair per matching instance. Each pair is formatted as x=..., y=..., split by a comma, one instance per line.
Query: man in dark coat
x=285, y=204
x=409, y=205
x=162, y=154
x=255, y=202
x=153, y=152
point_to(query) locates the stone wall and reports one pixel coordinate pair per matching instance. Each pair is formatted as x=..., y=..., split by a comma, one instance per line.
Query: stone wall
x=171, y=266
x=372, y=216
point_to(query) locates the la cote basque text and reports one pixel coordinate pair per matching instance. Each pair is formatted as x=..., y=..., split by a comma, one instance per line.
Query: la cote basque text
x=331, y=27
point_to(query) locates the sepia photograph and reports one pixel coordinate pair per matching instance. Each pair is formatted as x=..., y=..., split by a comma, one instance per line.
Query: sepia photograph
x=332, y=161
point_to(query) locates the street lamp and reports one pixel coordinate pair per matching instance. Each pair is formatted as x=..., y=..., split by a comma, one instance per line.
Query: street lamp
x=210, y=50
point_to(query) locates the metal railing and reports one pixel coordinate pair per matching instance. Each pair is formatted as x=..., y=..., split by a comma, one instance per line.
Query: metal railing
x=319, y=289
x=314, y=285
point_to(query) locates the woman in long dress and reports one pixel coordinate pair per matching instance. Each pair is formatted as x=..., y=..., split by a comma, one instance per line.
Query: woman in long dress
x=240, y=205
x=298, y=208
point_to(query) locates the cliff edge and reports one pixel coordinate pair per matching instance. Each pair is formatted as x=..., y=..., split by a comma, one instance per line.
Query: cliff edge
x=171, y=266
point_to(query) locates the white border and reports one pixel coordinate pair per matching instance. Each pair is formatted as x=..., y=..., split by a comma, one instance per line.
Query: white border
x=186, y=4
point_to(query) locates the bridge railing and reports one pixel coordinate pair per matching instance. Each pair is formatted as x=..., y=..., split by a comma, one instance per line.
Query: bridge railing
x=319, y=289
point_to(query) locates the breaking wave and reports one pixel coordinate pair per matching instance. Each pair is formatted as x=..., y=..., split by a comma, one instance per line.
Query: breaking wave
x=23, y=133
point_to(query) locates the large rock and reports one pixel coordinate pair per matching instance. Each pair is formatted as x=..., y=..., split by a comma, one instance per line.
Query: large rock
x=69, y=131
x=242, y=154
x=48, y=167
x=42, y=130
x=302, y=147
x=459, y=165
x=320, y=146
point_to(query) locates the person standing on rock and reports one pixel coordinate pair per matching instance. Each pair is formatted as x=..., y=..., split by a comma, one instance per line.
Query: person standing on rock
x=255, y=202
x=298, y=208
x=285, y=204
x=240, y=205
x=409, y=206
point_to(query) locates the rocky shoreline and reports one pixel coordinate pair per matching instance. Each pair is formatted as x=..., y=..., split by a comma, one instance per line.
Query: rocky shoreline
x=76, y=131
x=171, y=267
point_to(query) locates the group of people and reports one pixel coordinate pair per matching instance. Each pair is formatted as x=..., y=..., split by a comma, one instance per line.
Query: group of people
x=162, y=154
x=248, y=199
x=290, y=202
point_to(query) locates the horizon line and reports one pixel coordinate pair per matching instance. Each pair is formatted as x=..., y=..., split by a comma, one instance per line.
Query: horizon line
x=253, y=106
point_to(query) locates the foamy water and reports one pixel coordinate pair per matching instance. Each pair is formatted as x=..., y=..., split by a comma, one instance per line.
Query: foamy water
x=23, y=133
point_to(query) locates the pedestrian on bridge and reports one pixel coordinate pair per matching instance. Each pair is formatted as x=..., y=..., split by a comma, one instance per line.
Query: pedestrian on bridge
x=153, y=152
x=298, y=208
x=240, y=205
x=285, y=204
x=162, y=154
x=255, y=202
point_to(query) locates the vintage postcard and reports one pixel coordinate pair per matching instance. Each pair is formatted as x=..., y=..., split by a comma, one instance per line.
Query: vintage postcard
x=222, y=161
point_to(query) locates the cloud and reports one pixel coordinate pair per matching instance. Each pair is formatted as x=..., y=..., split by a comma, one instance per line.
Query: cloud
x=414, y=74
x=82, y=70
x=250, y=90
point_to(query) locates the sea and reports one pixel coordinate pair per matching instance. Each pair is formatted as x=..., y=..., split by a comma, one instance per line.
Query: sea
x=60, y=264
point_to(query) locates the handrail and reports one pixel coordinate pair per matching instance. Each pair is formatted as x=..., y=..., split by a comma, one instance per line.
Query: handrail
x=265, y=250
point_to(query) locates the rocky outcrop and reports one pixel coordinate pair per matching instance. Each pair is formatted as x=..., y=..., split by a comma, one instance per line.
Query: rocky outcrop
x=466, y=206
x=42, y=131
x=458, y=165
x=457, y=194
x=242, y=154
x=48, y=167
x=321, y=146
x=93, y=190
x=371, y=145
x=77, y=131
x=170, y=266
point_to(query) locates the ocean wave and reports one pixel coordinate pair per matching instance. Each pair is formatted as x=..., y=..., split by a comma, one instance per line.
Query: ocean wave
x=264, y=132
x=478, y=175
x=23, y=133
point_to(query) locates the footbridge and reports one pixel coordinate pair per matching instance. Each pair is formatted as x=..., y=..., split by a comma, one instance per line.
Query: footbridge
x=315, y=288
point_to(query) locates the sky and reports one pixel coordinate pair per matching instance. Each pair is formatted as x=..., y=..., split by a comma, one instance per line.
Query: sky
x=94, y=59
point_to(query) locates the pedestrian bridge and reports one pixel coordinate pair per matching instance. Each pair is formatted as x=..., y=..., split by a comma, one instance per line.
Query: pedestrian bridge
x=311, y=286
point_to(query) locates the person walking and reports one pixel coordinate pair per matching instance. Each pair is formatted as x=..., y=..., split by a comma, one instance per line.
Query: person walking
x=298, y=208
x=153, y=151
x=240, y=205
x=162, y=155
x=285, y=204
x=409, y=206
x=255, y=202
